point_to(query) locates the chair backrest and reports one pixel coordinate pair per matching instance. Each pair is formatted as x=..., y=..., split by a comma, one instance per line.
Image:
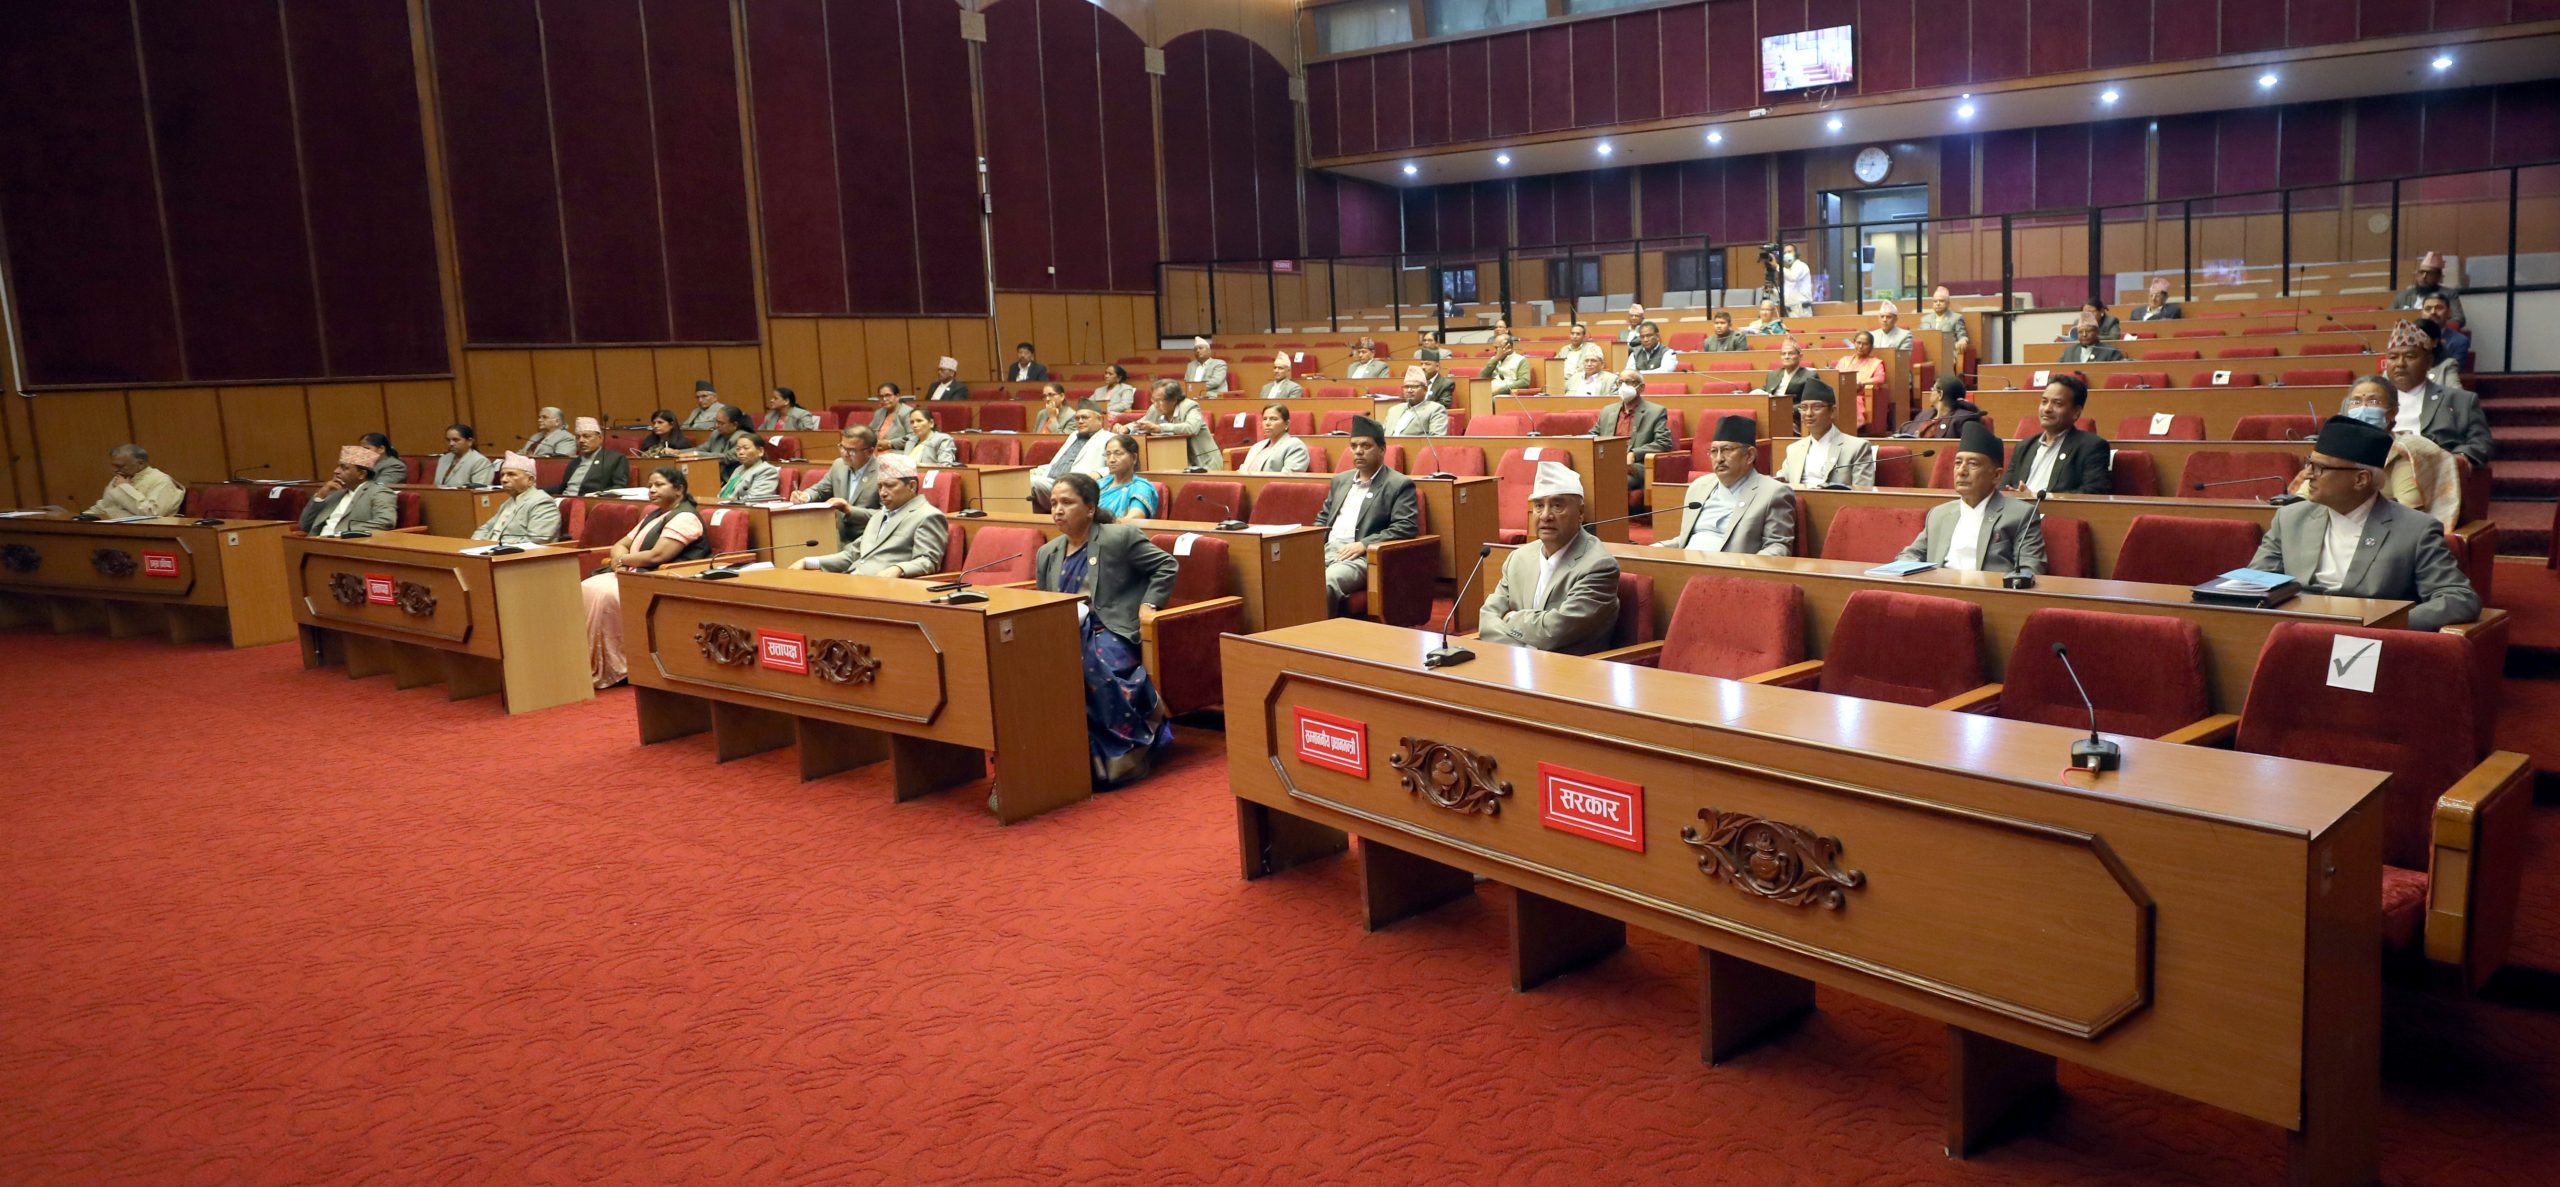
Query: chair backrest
x=1330, y=391
x=1288, y=503
x=409, y=509
x=1731, y=627
x=1320, y=459
x=940, y=489
x=2180, y=550
x=1911, y=649
x=1003, y=416
x=1498, y=424
x=1894, y=466
x=997, y=451
x=989, y=541
x=1040, y=452
x=1514, y=477
x=950, y=417
x=2207, y=332
x=797, y=478
x=1202, y=561
x=725, y=528
x=1211, y=499
x=2316, y=377
x=220, y=500
x=1464, y=461
x=1687, y=340
x=2292, y=426
x=846, y=414
x=2426, y=741
x=608, y=520
x=2144, y=672
x=1566, y=424
x=1336, y=421
x=2132, y=472
x=781, y=447
x=1871, y=534
x=1721, y=387
x=2229, y=379
x=2162, y=356
x=2070, y=548
x=2332, y=347
x=1635, y=610
x=1942, y=466
x=548, y=472
x=2245, y=352
x=1235, y=428
x=2137, y=379
x=2147, y=426
x=1458, y=422
x=2271, y=469
x=1340, y=459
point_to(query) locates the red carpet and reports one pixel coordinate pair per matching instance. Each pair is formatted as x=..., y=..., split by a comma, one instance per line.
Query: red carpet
x=287, y=928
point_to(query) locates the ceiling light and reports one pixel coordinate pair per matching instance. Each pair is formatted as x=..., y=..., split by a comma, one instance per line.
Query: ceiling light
x=1410, y=169
x=2266, y=80
x=1502, y=159
x=1834, y=125
x=2109, y=96
x=2442, y=62
x=1965, y=112
x=1714, y=136
x=1604, y=148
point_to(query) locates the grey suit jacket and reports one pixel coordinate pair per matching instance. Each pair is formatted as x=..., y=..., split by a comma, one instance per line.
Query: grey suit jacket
x=2415, y=297
x=1373, y=369
x=1189, y=421
x=1650, y=432
x=1282, y=389
x=1211, y=374
x=860, y=488
x=1288, y=457
x=889, y=424
x=375, y=510
x=529, y=518
x=2012, y=535
x=1419, y=419
x=936, y=450
x=2453, y=419
x=2101, y=353
x=391, y=471
x=1578, y=612
x=907, y=542
x=473, y=468
x=1852, y=464
x=1124, y=569
x=556, y=443
x=1393, y=512
x=758, y=484
x=1442, y=390
x=2401, y=556
x=1766, y=524
x=2167, y=312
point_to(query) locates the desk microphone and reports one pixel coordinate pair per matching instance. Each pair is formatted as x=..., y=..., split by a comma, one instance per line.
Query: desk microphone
x=970, y=509
x=2238, y=481
x=1226, y=522
x=2092, y=753
x=726, y=566
x=1446, y=656
x=959, y=593
x=1594, y=526
x=235, y=474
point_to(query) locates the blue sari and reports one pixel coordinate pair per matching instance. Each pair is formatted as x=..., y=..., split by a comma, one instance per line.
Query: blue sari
x=1125, y=726
x=1136, y=497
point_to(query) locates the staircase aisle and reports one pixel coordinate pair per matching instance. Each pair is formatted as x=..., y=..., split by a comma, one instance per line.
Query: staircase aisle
x=2524, y=421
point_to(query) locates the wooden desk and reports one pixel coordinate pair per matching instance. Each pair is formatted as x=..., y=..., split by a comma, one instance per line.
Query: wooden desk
x=2202, y=921
x=1279, y=574
x=2168, y=458
x=1777, y=416
x=1154, y=453
x=2022, y=375
x=701, y=475
x=166, y=576
x=1601, y=461
x=2221, y=407
x=2108, y=516
x=455, y=511
x=882, y=671
x=1460, y=511
x=784, y=529
x=414, y=607
x=992, y=486
x=2049, y=354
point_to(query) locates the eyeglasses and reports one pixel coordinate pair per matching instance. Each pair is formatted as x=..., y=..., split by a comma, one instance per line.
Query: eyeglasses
x=2308, y=464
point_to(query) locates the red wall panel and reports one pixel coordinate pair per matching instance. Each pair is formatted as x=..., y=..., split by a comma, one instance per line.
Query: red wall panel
x=1367, y=215
x=1945, y=58
x=2469, y=14
x=1791, y=190
x=1275, y=154
x=1745, y=204
x=1470, y=95
x=2389, y=18
x=1324, y=108
x=1355, y=84
x=2318, y=22
x=874, y=182
x=1885, y=45
x=2459, y=126
x=1613, y=204
x=1658, y=195
x=1232, y=203
x=1018, y=94
x=2310, y=154
x=1079, y=227
x=1534, y=211
x=1493, y=213
x=2008, y=171
x=694, y=88
x=2124, y=37
x=498, y=171
x=1324, y=215
x=1638, y=62
x=1507, y=59
x=1127, y=176
x=1394, y=97
x=2058, y=37
x=1431, y=95
x=795, y=154
x=1573, y=208
x=1421, y=221
x=2062, y=166
x=595, y=60
x=1186, y=147
x=1999, y=39
x=1595, y=73
x=1954, y=196
x=1684, y=60
x=2528, y=123
x=1550, y=79
x=1733, y=57
x=2186, y=156
x=2184, y=29
x=2250, y=27
x=946, y=170
x=2245, y=153
x=2117, y=167
x=2388, y=134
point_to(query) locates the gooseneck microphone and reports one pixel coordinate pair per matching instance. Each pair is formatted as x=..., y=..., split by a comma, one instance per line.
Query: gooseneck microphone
x=1227, y=522
x=970, y=508
x=235, y=474
x=725, y=565
x=2092, y=753
x=1446, y=656
x=956, y=592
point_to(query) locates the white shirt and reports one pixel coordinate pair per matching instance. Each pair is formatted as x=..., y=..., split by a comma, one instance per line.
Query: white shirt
x=1546, y=569
x=2413, y=408
x=1893, y=339
x=1346, y=522
x=1964, y=549
x=1798, y=286
x=1817, y=456
x=338, y=514
x=2040, y=475
x=2338, y=549
x=1398, y=416
x=1716, y=517
x=938, y=389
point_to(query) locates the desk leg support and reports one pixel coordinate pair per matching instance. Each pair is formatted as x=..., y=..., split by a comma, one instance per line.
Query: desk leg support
x=1269, y=840
x=665, y=716
x=827, y=748
x=18, y=610
x=738, y=731
x=1396, y=885
x=1991, y=1083
x=72, y=616
x=1549, y=938
x=198, y=624
x=413, y=666
x=366, y=655
x=1741, y=1003
x=922, y=767
x=467, y=676
x=127, y=620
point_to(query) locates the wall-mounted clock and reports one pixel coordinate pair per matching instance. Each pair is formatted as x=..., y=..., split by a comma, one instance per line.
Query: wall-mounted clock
x=1873, y=164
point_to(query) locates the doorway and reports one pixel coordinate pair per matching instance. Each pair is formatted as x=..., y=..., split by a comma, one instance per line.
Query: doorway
x=1872, y=254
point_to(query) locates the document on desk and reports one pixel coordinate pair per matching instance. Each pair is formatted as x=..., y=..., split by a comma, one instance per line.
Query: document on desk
x=1901, y=568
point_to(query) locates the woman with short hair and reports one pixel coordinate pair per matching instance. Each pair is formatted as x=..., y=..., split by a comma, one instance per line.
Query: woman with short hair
x=1124, y=577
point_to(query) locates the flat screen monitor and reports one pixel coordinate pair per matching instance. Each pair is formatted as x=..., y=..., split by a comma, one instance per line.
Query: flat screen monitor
x=1802, y=61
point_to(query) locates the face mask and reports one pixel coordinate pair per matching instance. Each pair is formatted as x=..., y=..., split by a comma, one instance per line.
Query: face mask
x=1791, y=257
x=1627, y=391
x=2370, y=415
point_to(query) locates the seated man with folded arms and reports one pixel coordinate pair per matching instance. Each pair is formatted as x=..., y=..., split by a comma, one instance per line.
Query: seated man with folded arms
x=1174, y=414
x=1980, y=529
x=1724, y=337
x=351, y=501
x=1740, y=509
x=1941, y=316
x=851, y=484
x=2344, y=538
x=2085, y=347
x=1825, y=456
x=2063, y=458
x=597, y=468
x=549, y=439
x=907, y=537
x=706, y=403
x=1560, y=591
x=1366, y=504
x=1509, y=369
x=1278, y=451
x=529, y=516
x=1416, y=416
x=134, y=487
x=1645, y=424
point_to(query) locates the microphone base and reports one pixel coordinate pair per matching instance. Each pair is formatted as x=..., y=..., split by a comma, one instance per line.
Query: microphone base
x=1231, y=525
x=961, y=597
x=971, y=513
x=715, y=574
x=2019, y=579
x=2283, y=500
x=2096, y=754
x=1445, y=656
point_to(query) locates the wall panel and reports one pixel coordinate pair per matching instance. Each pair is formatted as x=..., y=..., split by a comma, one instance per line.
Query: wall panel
x=1949, y=60
x=2123, y=36
x=792, y=104
x=566, y=380
x=1594, y=83
x=626, y=384
x=1550, y=79
x=1507, y=105
x=1683, y=60
x=1431, y=95
x=1886, y=45
x=1128, y=180
x=342, y=412
x=596, y=66
x=415, y=413
x=1470, y=95
x=266, y=433
x=1999, y=39
x=954, y=275
x=182, y=427
x=1637, y=65
x=498, y=171
x=2059, y=41
x=1392, y=81
x=1017, y=89
x=693, y=83
x=2184, y=29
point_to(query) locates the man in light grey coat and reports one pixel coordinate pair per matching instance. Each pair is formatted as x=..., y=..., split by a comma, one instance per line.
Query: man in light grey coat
x=906, y=539
x=1981, y=530
x=1416, y=417
x=529, y=516
x=1825, y=456
x=550, y=438
x=1734, y=508
x=2344, y=538
x=1645, y=424
x=351, y=501
x=1116, y=550
x=1209, y=373
x=851, y=485
x=1177, y=415
x=1560, y=591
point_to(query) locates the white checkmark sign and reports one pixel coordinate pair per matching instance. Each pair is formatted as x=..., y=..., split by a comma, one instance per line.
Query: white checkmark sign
x=2353, y=662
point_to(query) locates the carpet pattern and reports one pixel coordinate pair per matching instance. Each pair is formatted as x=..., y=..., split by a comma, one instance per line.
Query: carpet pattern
x=290, y=928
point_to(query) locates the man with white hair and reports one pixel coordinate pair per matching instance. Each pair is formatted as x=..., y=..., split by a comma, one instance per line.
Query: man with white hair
x=597, y=469
x=1209, y=373
x=1416, y=416
x=529, y=516
x=1737, y=508
x=2345, y=539
x=351, y=502
x=1175, y=414
x=1645, y=424
x=549, y=439
x=1509, y=369
x=2430, y=283
x=946, y=383
x=1593, y=379
x=1942, y=316
x=1889, y=334
x=135, y=487
x=907, y=537
x=1281, y=387
x=1560, y=592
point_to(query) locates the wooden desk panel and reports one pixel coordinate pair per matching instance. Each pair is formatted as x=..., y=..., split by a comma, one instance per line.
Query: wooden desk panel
x=455, y=511
x=2168, y=458
x=1601, y=461
x=1280, y=575
x=1460, y=511
x=1997, y=376
x=1777, y=416
x=412, y=606
x=2286, y=345
x=2221, y=407
x=167, y=576
x=701, y=474
x=2108, y=516
x=889, y=672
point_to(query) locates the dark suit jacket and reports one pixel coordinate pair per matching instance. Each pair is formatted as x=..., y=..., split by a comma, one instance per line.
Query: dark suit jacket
x=1393, y=512
x=1124, y=569
x=1794, y=388
x=957, y=391
x=2101, y=353
x=612, y=471
x=1443, y=390
x=2086, y=467
x=2167, y=312
x=1034, y=371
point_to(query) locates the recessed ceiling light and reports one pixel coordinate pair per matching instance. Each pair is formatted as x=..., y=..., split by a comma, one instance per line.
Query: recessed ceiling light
x=2109, y=96
x=1604, y=148
x=2442, y=62
x=1965, y=112
x=1410, y=169
x=1714, y=136
x=2266, y=80
x=1502, y=159
x=1834, y=125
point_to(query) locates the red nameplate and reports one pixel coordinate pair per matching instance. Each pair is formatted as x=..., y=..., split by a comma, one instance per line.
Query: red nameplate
x=377, y=589
x=783, y=652
x=1593, y=806
x=159, y=564
x=1334, y=743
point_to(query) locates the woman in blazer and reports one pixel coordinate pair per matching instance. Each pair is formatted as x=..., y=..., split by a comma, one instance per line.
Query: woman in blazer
x=1125, y=576
x=1116, y=395
x=462, y=463
x=1057, y=414
x=1122, y=493
x=755, y=480
x=1277, y=452
x=930, y=446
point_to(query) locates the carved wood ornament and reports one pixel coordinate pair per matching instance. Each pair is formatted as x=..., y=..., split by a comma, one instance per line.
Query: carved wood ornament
x=1451, y=777
x=1771, y=859
x=20, y=558
x=728, y=646
x=114, y=562
x=414, y=599
x=346, y=589
x=843, y=661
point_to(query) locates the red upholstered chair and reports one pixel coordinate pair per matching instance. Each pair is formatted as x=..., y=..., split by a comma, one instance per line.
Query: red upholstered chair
x=797, y=478
x=1039, y=452
x=1666, y=386
x=2245, y=352
x=2275, y=427
x=2179, y=550
x=595, y=524
x=1673, y=420
x=221, y=500
x=1209, y=500
x=2165, y=356
x=1235, y=428
x=990, y=541
x=1635, y=611
x=951, y=416
x=1288, y=504
x=2207, y=332
x=1331, y=391
x=2144, y=672
x=1179, y=643
x=1132, y=416
x=1337, y=421
x=1907, y=648
x=2138, y=379
x=1566, y=424
x=997, y=451
x=846, y=414
x=2070, y=548
x=940, y=489
x=1871, y=534
x=1457, y=461
x=1458, y=422
x=1340, y=458
x=994, y=417
x=1688, y=340
x=410, y=509
x=2271, y=470
x=725, y=529
x=2237, y=379
x=1498, y=424
x=1721, y=387
x=2141, y=426
x=1942, y=465
x=1894, y=466
x=2331, y=348
x=1731, y=364
x=781, y=447
x=1726, y=627
x=1513, y=476
x=548, y=472
x=2132, y=472
x=2454, y=812
x=2316, y=377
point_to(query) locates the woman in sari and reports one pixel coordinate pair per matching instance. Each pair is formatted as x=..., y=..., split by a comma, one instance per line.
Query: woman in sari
x=671, y=531
x=1125, y=577
x=1863, y=368
x=1124, y=495
x=1947, y=410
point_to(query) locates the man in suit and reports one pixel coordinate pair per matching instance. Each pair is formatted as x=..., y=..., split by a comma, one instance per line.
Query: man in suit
x=1509, y=369
x=2063, y=459
x=1560, y=592
x=1592, y=380
x=549, y=439
x=905, y=539
x=135, y=487
x=1650, y=354
x=1080, y=453
x=1437, y=386
x=889, y=424
x=1026, y=368
x=1416, y=416
x=1209, y=373
x=946, y=383
x=351, y=501
x=1577, y=348
x=1889, y=334
x=1177, y=415
x=1980, y=529
x=851, y=485
x=1735, y=508
x=1633, y=331
x=706, y=405
x=1823, y=455
x=2156, y=305
x=2345, y=539
x=1724, y=338
x=2085, y=347
x=529, y=516
x=2448, y=416
x=1645, y=424
x=2430, y=283
x=1363, y=505
x=1791, y=377
x=1365, y=363
x=1428, y=350
x=597, y=468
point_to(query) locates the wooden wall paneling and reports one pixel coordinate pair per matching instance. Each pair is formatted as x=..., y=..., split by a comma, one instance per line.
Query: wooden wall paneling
x=845, y=358
x=627, y=386
x=74, y=431
x=2220, y=239
x=1084, y=327
x=1053, y=321
x=501, y=391
x=928, y=339
x=566, y=379
x=884, y=345
x=678, y=367
x=18, y=486
x=1119, y=329
x=1013, y=322
x=796, y=362
x=1618, y=272
x=739, y=369
x=271, y=427
x=342, y=412
x=416, y=412
x=972, y=341
x=182, y=427
x=2124, y=246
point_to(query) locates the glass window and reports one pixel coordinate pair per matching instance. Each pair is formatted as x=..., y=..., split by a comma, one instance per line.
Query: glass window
x=1684, y=271
x=1573, y=277
x=1363, y=24
x=1577, y=7
x=1449, y=17
x=1458, y=284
